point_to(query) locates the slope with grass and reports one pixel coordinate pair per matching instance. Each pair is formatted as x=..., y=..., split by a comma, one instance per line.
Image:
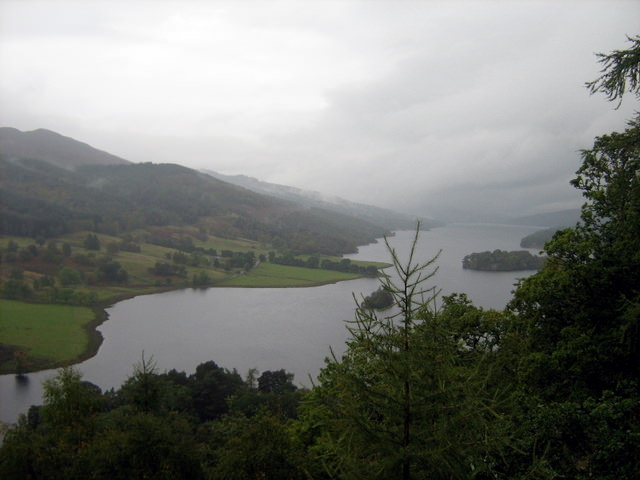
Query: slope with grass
x=48, y=334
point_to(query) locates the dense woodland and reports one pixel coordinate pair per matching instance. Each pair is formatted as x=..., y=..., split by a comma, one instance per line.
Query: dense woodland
x=546, y=389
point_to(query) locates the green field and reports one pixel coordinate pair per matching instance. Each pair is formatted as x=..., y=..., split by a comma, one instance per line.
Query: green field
x=272, y=275
x=51, y=334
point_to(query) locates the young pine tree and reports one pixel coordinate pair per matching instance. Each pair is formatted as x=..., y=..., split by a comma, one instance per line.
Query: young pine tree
x=403, y=401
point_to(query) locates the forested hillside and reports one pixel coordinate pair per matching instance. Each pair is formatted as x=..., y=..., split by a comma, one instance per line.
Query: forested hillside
x=43, y=200
x=382, y=217
x=538, y=238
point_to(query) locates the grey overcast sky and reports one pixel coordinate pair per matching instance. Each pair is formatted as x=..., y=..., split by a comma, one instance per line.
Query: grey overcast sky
x=427, y=107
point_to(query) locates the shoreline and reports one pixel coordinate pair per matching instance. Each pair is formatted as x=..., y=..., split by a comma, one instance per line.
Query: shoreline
x=95, y=338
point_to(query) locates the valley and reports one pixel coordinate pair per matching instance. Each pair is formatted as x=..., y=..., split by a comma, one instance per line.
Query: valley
x=84, y=229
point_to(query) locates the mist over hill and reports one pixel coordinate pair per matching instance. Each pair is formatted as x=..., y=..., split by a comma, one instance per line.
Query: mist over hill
x=52, y=185
x=53, y=148
x=385, y=218
x=562, y=218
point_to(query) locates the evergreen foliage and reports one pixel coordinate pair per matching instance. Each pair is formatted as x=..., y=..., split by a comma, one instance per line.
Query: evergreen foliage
x=539, y=238
x=166, y=426
x=344, y=265
x=404, y=401
x=581, y=368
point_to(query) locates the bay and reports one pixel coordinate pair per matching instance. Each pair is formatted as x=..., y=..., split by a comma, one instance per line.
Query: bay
x=267, y=328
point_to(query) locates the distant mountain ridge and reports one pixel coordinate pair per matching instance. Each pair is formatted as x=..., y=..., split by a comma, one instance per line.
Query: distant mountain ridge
x=70, y=154
x=553, y=221
x=383, y=217
x=51, y=147
x=561, y=218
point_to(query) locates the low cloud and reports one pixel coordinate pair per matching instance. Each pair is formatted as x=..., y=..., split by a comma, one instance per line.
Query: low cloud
x=457, y=109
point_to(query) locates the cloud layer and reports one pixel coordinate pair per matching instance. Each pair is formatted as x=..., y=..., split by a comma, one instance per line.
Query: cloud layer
x=459, y=109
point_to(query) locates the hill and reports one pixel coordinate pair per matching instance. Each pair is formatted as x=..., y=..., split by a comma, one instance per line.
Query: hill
x=554, y=221
x=53, y=148
x=50, y=196
x=40, y=199
x=538, y=238
x=387, y=219
x=561, y=218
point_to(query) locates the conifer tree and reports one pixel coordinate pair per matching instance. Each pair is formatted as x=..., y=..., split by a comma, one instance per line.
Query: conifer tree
x=582, y=310
x=402, y=402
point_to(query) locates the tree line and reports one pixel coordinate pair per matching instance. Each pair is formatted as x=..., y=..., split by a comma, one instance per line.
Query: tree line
x=157, y=425
x=62, y=272
x=343, y=265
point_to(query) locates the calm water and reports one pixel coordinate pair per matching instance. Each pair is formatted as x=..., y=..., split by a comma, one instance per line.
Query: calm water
x=267, y=329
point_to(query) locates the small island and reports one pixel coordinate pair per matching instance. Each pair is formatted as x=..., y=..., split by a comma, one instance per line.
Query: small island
x=503, y=261
x=381, y=299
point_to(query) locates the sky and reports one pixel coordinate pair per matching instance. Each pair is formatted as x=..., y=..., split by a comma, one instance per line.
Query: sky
x=455, y=110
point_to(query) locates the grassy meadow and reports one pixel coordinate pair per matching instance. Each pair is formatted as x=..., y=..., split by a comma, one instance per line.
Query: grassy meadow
x=50, y=334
